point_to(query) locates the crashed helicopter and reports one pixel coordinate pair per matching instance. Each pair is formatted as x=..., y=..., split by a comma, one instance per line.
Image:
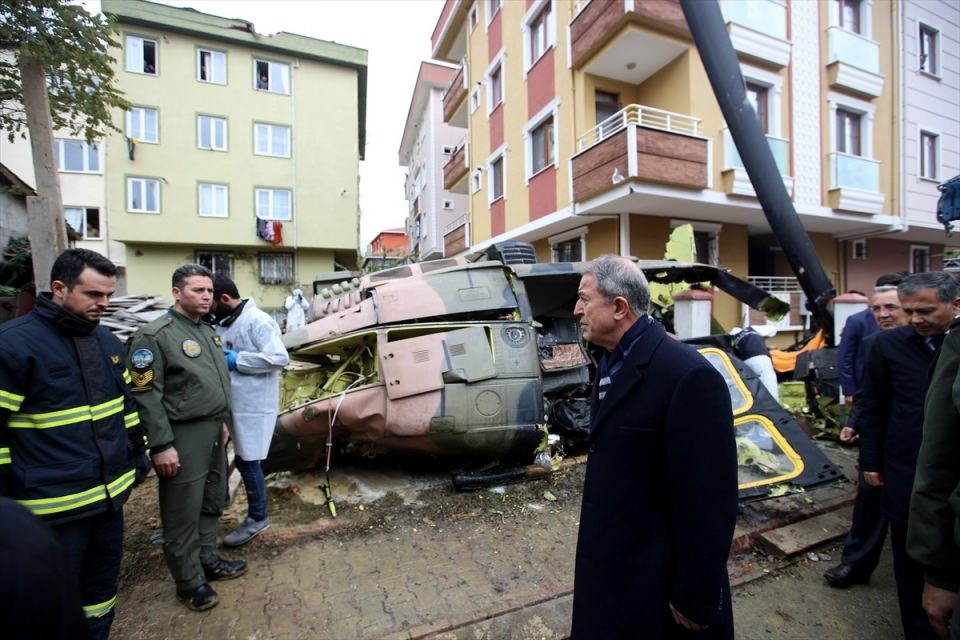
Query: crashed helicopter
x=485, y=360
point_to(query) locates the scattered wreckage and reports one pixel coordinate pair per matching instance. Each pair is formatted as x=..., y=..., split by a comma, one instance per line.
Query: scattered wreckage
x=484, y=360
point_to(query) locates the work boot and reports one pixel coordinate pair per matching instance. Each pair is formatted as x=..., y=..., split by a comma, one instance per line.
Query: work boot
x=225, y=569
x=246, y=532
x=200, y=598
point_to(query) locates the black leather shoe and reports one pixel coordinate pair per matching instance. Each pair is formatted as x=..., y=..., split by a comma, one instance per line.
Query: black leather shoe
x=199, y=599
x=843, y=576
x=225, y=569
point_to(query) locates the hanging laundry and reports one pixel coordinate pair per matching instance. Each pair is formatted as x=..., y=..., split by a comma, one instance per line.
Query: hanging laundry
x=265, y=230
x=277, y=233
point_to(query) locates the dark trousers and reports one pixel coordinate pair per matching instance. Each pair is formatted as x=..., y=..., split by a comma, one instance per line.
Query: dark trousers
x=909, y=575
x=93, y=548
x=191, y=502
x=864, y=542
x=255, y=486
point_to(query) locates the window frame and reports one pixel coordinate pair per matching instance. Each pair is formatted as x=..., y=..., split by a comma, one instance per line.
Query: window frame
x=539, y=32
x=144, y=112
x=281, y=279
x=493, y=79
x=213, y=57
x=922, y=161
x=925, y=66
x=855, y=5
x=566, y=238
x=84, y=213
x=59, y=151
x=493, y=7
x=211, y=260
x=270, y=138
x=848, y=127
x=497, y=177
x=866, y=111
x=271, y=64
x=272, y=191
x=215, y=187
x=146, y=181
x=213, y=120
x=917, y=250
x=548, y=114
x=143, y=62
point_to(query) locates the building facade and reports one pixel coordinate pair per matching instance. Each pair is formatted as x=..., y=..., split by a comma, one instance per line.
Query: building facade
x=240, y=152
x=434, y=153
x=593, y=129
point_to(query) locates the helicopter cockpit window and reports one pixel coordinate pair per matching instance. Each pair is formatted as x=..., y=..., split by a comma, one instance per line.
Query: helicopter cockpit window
x=763, y=455
x=740, y=397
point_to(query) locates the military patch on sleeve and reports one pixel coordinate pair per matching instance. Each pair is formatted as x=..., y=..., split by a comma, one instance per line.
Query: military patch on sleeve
x=141, y=358
x=217, y=341
x=142, y=381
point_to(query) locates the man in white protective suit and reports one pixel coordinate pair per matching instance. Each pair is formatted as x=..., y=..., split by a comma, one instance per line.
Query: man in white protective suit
x=296, y=307
x=255, y=356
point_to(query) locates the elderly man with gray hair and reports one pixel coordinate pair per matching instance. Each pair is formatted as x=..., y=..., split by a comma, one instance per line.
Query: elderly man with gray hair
x=660, y=494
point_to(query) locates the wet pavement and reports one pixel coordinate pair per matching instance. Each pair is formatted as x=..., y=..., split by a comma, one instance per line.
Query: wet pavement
x=503, y=569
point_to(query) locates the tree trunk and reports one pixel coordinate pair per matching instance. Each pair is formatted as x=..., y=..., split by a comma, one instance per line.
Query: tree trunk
x=48, y=232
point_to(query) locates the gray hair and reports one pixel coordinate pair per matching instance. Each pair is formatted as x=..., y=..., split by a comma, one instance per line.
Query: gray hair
x=618, y=276
x=187, y=271
x=943, y=283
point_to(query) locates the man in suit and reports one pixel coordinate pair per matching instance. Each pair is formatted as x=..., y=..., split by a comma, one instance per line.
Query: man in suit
x=890, y=420
x=660, y=494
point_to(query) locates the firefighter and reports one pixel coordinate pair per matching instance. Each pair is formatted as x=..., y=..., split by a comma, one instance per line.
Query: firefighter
x=70, y=434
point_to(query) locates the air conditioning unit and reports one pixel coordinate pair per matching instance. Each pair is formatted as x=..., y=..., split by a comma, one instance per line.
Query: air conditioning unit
x=448, y=149
x=448, y=204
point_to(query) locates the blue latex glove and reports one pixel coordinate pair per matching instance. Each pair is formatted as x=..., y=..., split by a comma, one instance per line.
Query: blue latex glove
x=231, y=359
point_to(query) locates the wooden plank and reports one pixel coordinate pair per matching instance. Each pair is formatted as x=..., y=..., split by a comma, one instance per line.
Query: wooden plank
x=795, y=538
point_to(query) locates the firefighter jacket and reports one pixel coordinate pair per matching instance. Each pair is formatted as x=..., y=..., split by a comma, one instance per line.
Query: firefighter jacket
x=69, y=427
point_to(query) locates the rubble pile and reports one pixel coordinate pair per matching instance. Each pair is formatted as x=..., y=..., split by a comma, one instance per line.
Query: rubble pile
x=126, y=314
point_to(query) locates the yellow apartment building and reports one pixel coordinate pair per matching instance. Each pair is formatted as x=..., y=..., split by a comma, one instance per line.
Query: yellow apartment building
x=240, y=152
x=593, y=129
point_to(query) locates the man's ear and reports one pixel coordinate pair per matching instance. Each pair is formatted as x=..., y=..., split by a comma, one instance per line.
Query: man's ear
x=58, y=289
x=620, y=307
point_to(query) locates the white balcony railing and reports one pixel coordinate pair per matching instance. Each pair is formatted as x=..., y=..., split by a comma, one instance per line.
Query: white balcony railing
x=848, y=171
x=778, y=146
x=456, y=224
x=775, y=284
x=764, y=16
x=643, y=116
x=853, y=49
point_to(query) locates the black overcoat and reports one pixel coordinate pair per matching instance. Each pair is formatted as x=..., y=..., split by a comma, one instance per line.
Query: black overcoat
x=659, y=499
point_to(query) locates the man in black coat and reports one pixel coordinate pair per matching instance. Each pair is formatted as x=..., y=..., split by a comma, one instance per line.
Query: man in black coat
x=890, y=420
x=660, y=494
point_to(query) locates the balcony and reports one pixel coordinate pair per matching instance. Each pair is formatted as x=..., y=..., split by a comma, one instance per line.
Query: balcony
x=853, y=62
x=456, y=236
x=758, y=30
x=619, y=38
x=455, y=98
x=640, y=144
x=854, y=183
x=735, y=178
x=455, y=170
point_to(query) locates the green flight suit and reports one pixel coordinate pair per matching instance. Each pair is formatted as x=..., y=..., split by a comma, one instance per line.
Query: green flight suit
x=182, y=386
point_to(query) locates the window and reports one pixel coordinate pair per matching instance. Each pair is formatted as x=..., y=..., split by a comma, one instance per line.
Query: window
x=496, y=178
x=929, y=50
x=706, y=240
x=495, y=84
x=274, y=204
x=848, y=132
x=849, y=16
x=541, y=146
x=142, y=125
x=141, y=55
x=212, y=133
x=476, y=180
x=219, y=263
x=271, y=140
x=919, y=259
x=929, y=155
x=474, y=98
x=214, y=199
x=77, y=155
x=859, y=249
x=757, y=96
x=493, y=6
x=568, y=251
x=539, y=33
x=473, y=17
x=276, y=268
x=211, y=66
x=143, y=195
x=84, y=220
x=271, y=76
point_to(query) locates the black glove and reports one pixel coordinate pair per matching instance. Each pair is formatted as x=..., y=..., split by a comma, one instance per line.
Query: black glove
x=142, y=464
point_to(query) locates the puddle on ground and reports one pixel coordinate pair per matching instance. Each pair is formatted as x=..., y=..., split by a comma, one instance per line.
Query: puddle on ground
x=359, y=485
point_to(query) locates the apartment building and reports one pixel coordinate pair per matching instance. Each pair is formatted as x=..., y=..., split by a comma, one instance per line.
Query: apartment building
x=592, y=128
x=434, y=153
x=240, y=152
